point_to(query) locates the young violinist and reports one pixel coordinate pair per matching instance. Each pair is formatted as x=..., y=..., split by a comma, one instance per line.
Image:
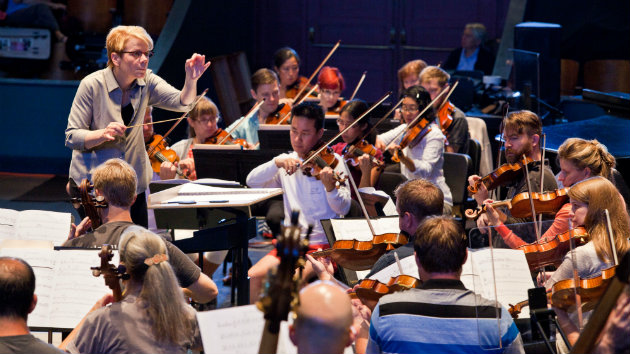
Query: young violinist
x=286, y=62
x=315, y=198
x=109, y=100
x=264, y=87
x=202, y=126
x=365, y=171
x=579, y=159
x=522, y=131
x=452, y=119
x=331, y=85
x=441, y=316
x=423, y=157
x=152, y=316
x=589, y=199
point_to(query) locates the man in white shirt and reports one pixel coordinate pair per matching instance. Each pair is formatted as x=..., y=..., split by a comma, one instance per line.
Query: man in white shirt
x=316, y=199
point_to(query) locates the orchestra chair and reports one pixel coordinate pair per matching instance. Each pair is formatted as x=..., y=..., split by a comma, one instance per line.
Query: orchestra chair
x=474, y=151
x=389, y=181
x=457, y=181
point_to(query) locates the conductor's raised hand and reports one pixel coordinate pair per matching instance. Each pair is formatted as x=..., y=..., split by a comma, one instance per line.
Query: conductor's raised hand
x=196, y=66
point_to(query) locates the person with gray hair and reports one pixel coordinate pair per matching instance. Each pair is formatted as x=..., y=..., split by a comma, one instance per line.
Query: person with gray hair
x=152, y=317
x=472, y=55
x=17, y=301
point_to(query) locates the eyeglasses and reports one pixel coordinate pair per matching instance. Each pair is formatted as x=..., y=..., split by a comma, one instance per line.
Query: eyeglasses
x=138, y=53
x=206, y=119
x=325, y=92
x=343, y=123
x=409, y=108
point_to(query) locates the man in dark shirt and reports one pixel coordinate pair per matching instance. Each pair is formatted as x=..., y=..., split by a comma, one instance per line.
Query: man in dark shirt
x=472, y=55
x=17, y=300
x=521, y=133
x=415, y=200
x=116, y=180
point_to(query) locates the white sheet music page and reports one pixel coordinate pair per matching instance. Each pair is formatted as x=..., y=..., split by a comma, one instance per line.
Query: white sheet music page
x=358, y=229
x=231, y=330
x=408, y=265
x=65, y=287
x=511, y=272
x=8, y=218
x=43, y=225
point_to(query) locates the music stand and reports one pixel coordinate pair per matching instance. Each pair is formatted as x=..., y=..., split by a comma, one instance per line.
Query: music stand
x=194, y=215
x=231, y=165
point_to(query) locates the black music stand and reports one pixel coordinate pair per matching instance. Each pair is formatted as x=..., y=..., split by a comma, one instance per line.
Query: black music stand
x=232, y=165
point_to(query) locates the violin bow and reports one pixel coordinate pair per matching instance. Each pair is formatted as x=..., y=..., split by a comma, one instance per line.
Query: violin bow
x=179, y=120
x=542, y=177
x=356, y=89
x=347, y=128
x=507, y=108
x=297, y=103
x=576, y=278
x=247, y=117
x=334, y=48
x=418, y=117
x=381, y=120
x=450, y=91
x=359, y=198
x=531, y=200
x=611, y=238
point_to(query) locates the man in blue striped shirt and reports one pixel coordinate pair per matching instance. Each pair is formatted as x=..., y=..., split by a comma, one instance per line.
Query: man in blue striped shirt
x=442, y=316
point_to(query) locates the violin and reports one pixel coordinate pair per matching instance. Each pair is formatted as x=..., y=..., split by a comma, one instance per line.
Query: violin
x=158, y=152
x=90, y=202
x=110, y=273
x=352, y=152
x=277, y=116
x=445, y=116
x=520, y=205
x=503, y=175
x=361, y=255
x=373, y=290
x=562, y=294
x=300, y=85
x=221, y=137
x=414, y=134
x=551, y=251
x=325, y=158
x=336, y=109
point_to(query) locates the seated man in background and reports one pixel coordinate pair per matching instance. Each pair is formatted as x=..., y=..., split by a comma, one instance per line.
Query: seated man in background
x=116, y=181
x=441, y=315
x=472, y=55
x=17, y=300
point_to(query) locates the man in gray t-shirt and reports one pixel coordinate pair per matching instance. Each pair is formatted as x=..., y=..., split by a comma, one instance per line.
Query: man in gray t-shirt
x=17, y=300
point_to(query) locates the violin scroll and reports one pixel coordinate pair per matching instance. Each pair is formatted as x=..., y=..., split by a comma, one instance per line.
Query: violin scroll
x=110, y=273
x=89, y=202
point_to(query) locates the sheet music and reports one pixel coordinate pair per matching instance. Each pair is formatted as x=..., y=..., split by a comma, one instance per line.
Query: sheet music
x=35, y=225
x=239, y=330
x=408, y=265
x=8, y=218
x=198, y=189
x=358, y=229
x=65, y=287
x=389, y=208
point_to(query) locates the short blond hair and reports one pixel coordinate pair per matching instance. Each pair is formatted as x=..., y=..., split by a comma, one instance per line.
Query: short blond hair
x=433, y=72
x=118, y=37
x=117, y=180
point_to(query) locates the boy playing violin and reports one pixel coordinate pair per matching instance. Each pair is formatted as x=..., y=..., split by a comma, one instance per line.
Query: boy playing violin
x=315, y=199
x=452, y=119
x=264, y=87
